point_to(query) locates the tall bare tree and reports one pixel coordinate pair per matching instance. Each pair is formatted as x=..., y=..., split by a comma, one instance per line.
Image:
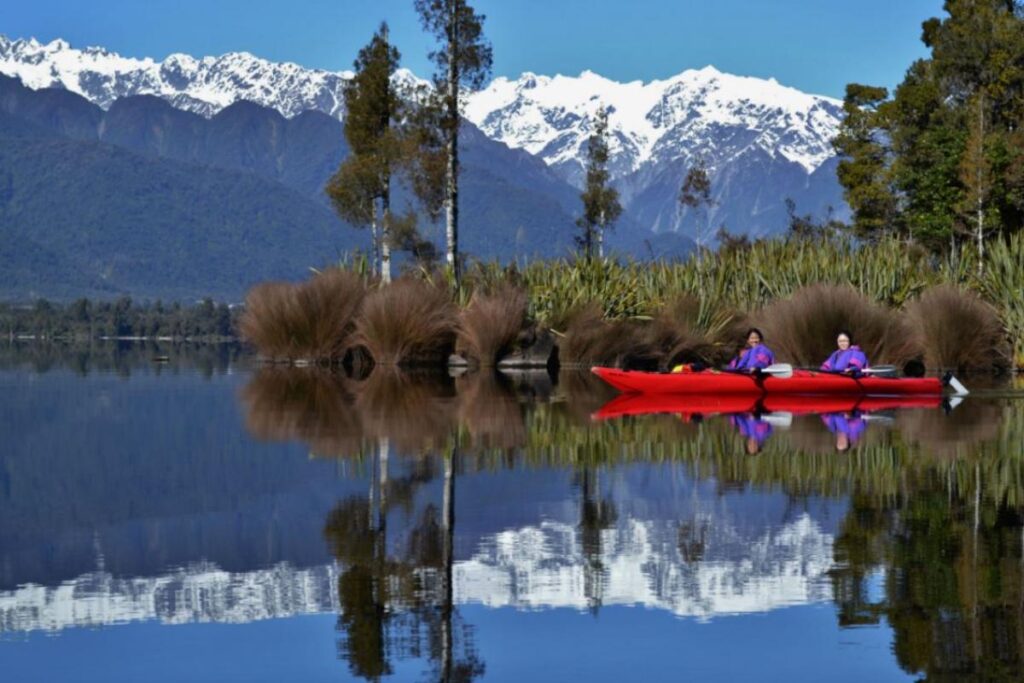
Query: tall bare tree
x=463, y=62
x=695, y=194
x=601, y=206
x=361, y=188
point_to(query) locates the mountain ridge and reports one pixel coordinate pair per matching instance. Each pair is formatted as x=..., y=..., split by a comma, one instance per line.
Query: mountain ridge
x=658, y=128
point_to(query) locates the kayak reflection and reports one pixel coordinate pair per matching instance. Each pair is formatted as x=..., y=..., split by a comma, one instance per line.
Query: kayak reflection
x=756, y=417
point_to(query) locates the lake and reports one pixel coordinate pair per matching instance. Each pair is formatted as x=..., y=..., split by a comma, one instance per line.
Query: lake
x=205, y=519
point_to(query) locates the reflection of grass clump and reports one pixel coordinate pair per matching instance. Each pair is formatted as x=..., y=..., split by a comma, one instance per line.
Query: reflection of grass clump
x=310, y=405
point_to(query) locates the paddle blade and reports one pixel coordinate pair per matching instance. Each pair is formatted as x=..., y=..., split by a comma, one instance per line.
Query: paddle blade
x=881, y=371
x=959, y=388
x=779, y=418
x=781, y=370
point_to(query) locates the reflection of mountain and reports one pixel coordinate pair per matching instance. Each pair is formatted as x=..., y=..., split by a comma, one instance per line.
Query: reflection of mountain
x=542, y=567
x=535, y=567
x=200, y=593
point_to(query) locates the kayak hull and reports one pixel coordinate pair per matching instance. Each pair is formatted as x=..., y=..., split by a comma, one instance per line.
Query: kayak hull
x=803, y=382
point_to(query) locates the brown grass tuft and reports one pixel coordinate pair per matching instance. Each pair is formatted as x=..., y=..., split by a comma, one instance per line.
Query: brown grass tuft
x=955, y=329
x=409, y=322
x=677, y=334
x=591, y=340
x=310, y=320
x=489, y=325
x=802, y=329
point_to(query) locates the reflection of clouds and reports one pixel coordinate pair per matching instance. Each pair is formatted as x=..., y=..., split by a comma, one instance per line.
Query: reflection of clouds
x=540, y=567
x=536, y=567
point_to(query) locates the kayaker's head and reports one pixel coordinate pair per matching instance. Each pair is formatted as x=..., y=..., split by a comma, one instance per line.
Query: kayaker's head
x=754, y=337
x=842, y=442
x=844, y=339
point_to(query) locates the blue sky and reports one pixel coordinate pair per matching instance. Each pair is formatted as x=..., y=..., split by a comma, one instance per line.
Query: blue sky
x=814, y=45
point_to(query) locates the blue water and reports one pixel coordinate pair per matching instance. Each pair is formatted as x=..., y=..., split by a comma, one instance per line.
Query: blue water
x=160, y=524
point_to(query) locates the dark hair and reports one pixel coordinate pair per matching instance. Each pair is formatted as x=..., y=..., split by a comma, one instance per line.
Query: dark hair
x=846, y=333
x=754, y=330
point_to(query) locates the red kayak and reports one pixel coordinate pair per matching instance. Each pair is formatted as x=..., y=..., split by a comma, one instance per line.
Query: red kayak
x=690, y=404
x=804, y=382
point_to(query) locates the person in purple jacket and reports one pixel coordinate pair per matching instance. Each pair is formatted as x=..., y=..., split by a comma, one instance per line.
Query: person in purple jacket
x=848, y=358
x=755, y=356
x=847, y=427
x=753, y=429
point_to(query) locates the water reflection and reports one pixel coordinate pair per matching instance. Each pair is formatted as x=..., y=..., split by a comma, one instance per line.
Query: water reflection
x=399, y=602
x=431, y=498
x=953, y=567
x=120, y=356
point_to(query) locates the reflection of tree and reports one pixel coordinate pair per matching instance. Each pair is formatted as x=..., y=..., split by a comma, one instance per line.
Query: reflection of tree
x=954, y=577
x=692, y=541
x=596, y=515
x=362, y=588
x=400, y=603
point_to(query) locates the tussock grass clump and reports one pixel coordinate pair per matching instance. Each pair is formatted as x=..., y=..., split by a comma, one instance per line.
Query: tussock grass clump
x=802, y=329
x=310, y=320
x=489, y=325
x=685, y=330
x=590, y=339
x=409, y=322
x=955, y=329
x=267, y=320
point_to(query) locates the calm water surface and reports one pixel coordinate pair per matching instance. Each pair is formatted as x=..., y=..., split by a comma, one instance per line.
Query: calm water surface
x=202, y=519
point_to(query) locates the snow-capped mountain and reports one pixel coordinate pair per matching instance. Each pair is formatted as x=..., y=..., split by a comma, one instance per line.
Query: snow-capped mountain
x=202, y=86
x=651, y=123
x=762, y=142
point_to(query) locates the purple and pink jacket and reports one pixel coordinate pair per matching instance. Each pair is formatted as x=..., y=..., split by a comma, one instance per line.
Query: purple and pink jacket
x=850, y=359
x=852, y=425
x=757, y=357
x=751, y=427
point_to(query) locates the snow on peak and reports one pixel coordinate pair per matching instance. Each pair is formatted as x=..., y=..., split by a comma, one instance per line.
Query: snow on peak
x=678, y=117
x=204, y=85
x=698, y=113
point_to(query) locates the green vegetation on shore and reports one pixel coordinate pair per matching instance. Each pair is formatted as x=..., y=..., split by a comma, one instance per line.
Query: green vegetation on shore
x=903, y=302
x=85, y=319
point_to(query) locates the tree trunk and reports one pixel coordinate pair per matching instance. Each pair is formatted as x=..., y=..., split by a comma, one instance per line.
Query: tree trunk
x=980, y=186
x=374, y=241
x=447, y=550
x=452, y=173
x=600, y=237
x=385, y=238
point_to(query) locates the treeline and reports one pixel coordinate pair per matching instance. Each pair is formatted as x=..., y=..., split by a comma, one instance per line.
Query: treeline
x=940, y=160
x=87, y=319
